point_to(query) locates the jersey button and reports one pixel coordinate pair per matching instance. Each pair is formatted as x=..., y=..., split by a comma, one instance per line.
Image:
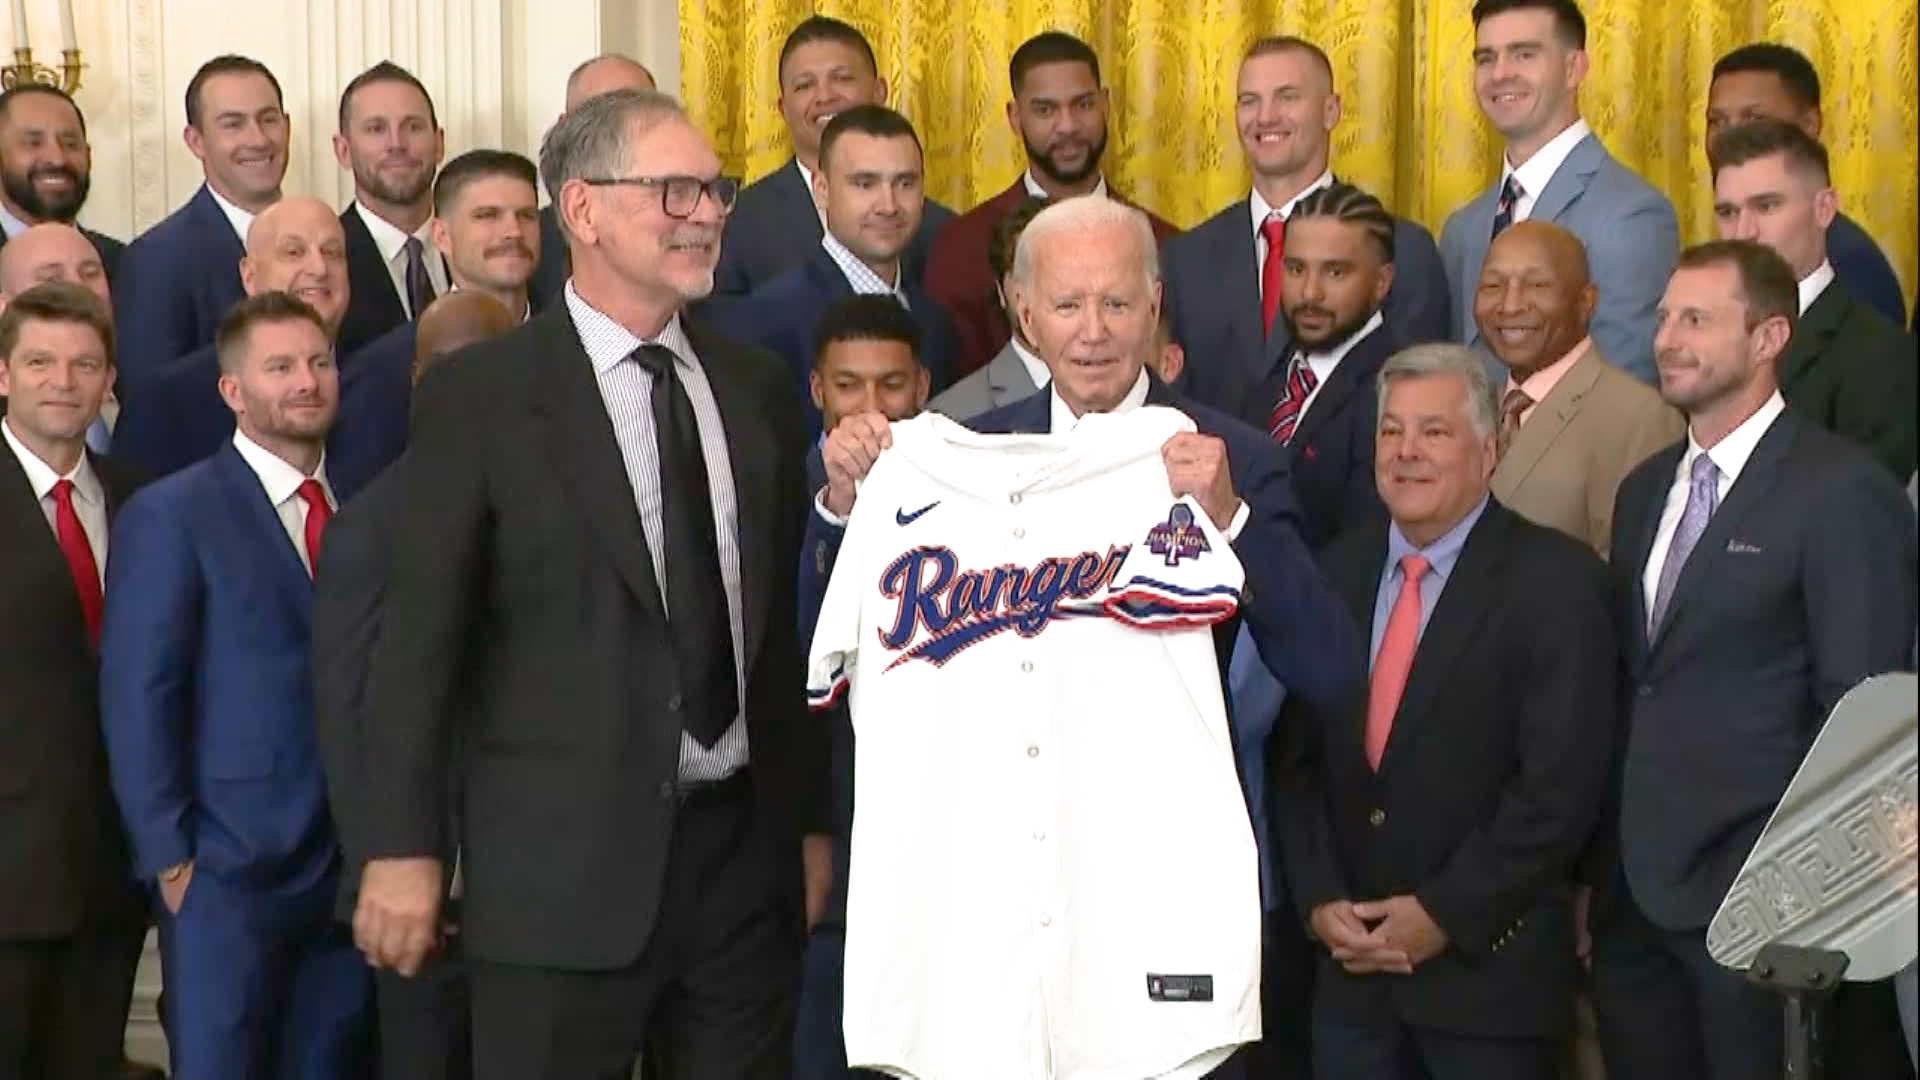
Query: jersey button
x=1039, y=836
x=1019, y=533
x=1014, y=498
x=1033, y=751
x=1026, y=666
x=1377, y=818
x=1046, y=920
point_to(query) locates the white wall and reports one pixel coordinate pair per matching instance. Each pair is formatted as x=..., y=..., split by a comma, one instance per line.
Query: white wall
x=496, y=69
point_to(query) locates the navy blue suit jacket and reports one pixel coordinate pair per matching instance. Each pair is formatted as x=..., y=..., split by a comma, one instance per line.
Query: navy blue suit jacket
x=177, y=281
x=1213, y=298
x=1331, y=454
x=206, y=695
x=1862, y=267
x=784, y=316
x=376, y=401
x=1302, y=629
x=775, y=226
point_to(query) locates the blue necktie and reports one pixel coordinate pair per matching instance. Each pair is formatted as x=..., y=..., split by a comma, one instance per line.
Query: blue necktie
x=1503, y=210
x=1703, y=498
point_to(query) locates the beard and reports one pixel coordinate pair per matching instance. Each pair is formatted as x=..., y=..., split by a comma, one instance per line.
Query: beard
x=1042, y=160
x=1340, y=334
x=392, y=192
x=64, y=208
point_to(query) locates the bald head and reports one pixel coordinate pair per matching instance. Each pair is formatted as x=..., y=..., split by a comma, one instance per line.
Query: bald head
x=296, y=246
x=1535, y=297
x=452, y=323
x=54, y=251
x=604, y=74
x=299, y=213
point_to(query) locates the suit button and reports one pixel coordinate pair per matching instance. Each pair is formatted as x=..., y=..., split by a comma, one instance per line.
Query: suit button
x=1377, y=818
x=668, y=791
x=675, y=703
x=1646, y=690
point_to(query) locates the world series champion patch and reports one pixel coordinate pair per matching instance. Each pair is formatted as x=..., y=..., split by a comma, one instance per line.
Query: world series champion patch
x=1178, y=537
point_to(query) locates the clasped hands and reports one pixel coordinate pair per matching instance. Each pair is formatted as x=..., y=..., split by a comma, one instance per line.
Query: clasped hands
x=1402, y=935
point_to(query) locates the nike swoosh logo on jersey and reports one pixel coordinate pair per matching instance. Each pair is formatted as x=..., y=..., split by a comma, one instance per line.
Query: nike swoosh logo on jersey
x=901, y=516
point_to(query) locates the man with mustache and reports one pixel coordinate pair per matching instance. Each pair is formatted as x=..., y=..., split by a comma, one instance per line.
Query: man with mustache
x=295, y=246
x=179, y=278
x=826, y=67
x=603, y=73
x=869, y=189
x=46, y=165
x=1225, y=278
x=486, y=225
x=390, y=139
x=1529, y=59
x=1059, y=111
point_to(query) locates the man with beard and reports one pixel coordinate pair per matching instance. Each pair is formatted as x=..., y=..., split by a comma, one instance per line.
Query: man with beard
x=1764, y=567
x=207, y=706
x=1059, y=111
x=826, y=67
x=390, y=139
x=868, y=188
x=603, y=73
x=1529, y=59
x=46, y=165
x=180, y=417
x=486, y=226
x=181, y=277
x=1224, y=279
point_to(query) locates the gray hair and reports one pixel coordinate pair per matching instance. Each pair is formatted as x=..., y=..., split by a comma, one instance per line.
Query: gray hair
x=592, y=141
x=1446, y=358
x=1085, y=213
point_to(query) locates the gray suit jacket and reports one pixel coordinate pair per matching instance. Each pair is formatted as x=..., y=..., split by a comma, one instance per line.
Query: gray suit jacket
x=1002, y=382
x=1632, y=240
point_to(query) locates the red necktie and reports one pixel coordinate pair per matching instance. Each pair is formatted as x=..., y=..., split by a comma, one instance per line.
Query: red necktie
x=318, y=514
x=1293, y=397
x=1395, y=659
x=79, y=555
x=1274, y=231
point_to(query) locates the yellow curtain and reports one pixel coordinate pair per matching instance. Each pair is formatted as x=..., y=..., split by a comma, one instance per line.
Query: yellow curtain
x=1412, y=131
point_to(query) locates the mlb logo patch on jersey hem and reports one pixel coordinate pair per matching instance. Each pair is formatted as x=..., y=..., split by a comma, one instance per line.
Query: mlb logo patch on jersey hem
x=1179, y=988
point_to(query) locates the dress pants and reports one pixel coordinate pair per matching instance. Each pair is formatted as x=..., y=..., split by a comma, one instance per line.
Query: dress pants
x=1287, y=961
x=711, y=996
x=425, y=1022
x=63, y=1002
x=1383, y=1048
x=264, y=986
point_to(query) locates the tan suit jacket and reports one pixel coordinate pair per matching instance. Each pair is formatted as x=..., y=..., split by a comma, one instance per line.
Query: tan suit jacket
x=1567, y=460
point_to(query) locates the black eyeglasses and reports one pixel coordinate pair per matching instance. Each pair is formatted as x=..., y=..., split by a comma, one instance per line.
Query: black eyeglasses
x=679, y=195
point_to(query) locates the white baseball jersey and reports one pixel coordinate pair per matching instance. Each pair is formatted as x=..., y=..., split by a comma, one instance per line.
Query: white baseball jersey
x=1052, y=872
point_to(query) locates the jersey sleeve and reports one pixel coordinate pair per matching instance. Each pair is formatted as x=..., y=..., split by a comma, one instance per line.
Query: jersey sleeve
x=1181, y=572
x=836, y=631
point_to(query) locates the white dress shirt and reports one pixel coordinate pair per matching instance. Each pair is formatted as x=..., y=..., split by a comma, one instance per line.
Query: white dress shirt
x=11, y=225
x=1814, y=284
x=1322, y=364
x=282, y=482
x=1729, y=456
x=241, y=220
x=1538, y=170
x=806, y=177
x=1261, y=211
x=393, y=250
x=1034, y=189
x=89, y=496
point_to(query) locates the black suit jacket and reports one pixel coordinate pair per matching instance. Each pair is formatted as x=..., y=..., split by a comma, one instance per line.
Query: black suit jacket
x=521, y=585
x=1332, y=447
x=775, y=226
x=374, y=306
x=1852, y=372
x=61, y=843
x=1801, y=586
x=1213, y=298
x=107, y=246
x=551, y=273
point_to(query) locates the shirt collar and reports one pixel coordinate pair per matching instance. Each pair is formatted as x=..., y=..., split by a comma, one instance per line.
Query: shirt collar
x=1731, y=453
x=858, y=274
x=608, y=343
x=1036, y=367
x=41, y=477
x=1814, y=284
x=1443, y=553
x=1064, y=421
x=241, y=220
x=13, y=226
x=1541, y=383
x=1034, y=189
x=1332, y=357
x=1534, y=176
x=1262, y=210
x=387, y=236
x=280, y=479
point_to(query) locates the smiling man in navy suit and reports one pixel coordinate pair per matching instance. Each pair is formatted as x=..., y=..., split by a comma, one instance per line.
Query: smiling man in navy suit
x=46, y=165
x=1224, y=279
x=179, y=278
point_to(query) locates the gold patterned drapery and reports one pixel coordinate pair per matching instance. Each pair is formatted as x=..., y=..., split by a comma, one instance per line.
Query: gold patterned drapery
x=1412, y=131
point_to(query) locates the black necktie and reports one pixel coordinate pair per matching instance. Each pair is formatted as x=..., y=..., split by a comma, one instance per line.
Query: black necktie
x=1503, y=209
x=419, y=282
x=696, y=601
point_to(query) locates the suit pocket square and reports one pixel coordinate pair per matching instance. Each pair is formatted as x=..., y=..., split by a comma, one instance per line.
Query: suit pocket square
x=1741, y=547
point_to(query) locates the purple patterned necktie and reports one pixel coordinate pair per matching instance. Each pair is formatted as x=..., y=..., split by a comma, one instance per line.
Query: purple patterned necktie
x=420, y=290
x=1503, y=210
x=1703, y=498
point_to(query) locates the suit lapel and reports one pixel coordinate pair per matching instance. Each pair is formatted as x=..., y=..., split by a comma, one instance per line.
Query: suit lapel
x=1464, y=603
x=1007, y=378
x=212, y=220
x=587, y=456
x=1812, y=336
x=25, y=536
x=1354, y=372
x=1358, y=582
x=367, y=271
x=802, y=216
x=1569, y=181
x=1756, y=480
x=1239, y=285
x=1549, y=421
x=751, y=453
x=248, y=501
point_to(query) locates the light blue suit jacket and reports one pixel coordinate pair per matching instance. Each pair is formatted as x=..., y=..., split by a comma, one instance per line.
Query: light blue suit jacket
x=1632, y=240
